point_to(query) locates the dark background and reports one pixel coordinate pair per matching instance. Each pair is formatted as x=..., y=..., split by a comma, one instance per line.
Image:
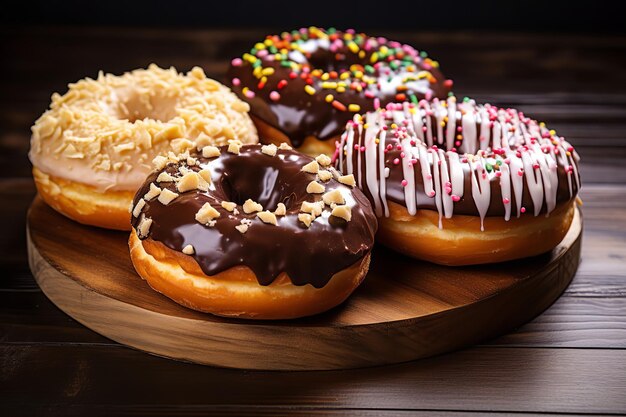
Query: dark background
x=416, y=15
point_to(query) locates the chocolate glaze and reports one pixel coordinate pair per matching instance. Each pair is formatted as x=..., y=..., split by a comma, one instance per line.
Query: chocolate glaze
x=299, y=114
x=395, y=190
x=308, y=256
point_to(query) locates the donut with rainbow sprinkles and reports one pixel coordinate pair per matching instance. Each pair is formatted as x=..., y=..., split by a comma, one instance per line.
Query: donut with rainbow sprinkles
x=459, y=183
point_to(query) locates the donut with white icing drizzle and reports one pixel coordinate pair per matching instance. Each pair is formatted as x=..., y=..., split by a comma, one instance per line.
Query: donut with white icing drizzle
x=461, y=183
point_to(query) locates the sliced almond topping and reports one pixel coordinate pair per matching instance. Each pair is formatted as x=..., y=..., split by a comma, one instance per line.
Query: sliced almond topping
x=314, y=209
x=267, y=217
x=229, y=206
x=144, y=227
x=250, y=206
x=234, y=146
x=285, y=146
x=188, y=182
x=165, y=177
x=323, y=160
x=324, y=175
x=160, y=162
x=205, y=174
x=189, y=250
x=342, y=211
x=306, y=219
x=281, y=210
x=315, y=187
x=152, y=193
x=347, y=180
x=312, y=167
x=207, y=215
x=333, y=196
x=140, y=205
x=167, y=196
x=210, y=151
x=269, y=149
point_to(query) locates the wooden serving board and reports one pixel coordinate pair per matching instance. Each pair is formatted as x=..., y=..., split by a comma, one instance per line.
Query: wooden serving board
x=405, y=309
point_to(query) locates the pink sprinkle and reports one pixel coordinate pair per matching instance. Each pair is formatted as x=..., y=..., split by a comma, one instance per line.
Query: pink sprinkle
x=250, y=94
x=523, y=210
x=498, y=174
x=505, y=200
x=362, y=148
x=376, y=103
x=236, y=62
x=405, y=183
x=536, y=166
x=455, y=198
x=274, y=96
x=429, y=177
x=236, y=81
x=356, y=147
x=431, y=193
x=520, y=173
x=396, y=161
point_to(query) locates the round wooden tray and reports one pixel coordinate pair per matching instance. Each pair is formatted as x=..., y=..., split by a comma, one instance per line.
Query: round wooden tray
x=404, y=310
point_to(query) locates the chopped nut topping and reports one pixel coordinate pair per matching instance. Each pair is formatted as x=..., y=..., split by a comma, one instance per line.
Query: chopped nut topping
x=305, y=218
x=181, y=145
x=188, y=182
x=315, y=187
x=234, y=146
x=144, y=227
x=325, y=175
x=269, y=149
x=210, y=151
x=203, y=140
x=243, y=227
x=312, y=167
x=323, y=160
x=333, y=196
x=140, y=205
x=160, y=162
x=342, y=211
x=172, y=157
x=167, y=196
x=205, y=174
x=267, y=217
x=285, y=146
x=281, y=210
x=250, y=206
x=191, y=161
x=152, y=193
x=314, y=209
x=347, y=180
x=229, y=206
x=207, y=214
x=165, y=177
x=189, y=250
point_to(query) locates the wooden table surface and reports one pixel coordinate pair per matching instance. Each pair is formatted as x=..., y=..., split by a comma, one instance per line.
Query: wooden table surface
x=569, y=360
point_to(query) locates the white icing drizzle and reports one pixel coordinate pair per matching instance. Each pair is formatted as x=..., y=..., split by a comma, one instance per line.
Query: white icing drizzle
x=500, y=143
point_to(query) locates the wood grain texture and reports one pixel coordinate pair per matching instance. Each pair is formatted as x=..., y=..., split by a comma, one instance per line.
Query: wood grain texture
x=479, y=379
x=405, y=310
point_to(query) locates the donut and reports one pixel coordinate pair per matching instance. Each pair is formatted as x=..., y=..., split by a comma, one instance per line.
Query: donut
x=462, y=183
x=256, y=232
x=94, y=147
x=303, y=86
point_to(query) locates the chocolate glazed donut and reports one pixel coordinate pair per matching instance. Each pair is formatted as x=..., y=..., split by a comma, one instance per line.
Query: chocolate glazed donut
x=284, y=218
x=305, y=85
x=463, y=171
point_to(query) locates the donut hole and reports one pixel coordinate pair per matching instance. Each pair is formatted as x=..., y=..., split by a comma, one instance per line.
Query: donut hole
x=329, y=61
x=262, y=183
x=133, y=105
